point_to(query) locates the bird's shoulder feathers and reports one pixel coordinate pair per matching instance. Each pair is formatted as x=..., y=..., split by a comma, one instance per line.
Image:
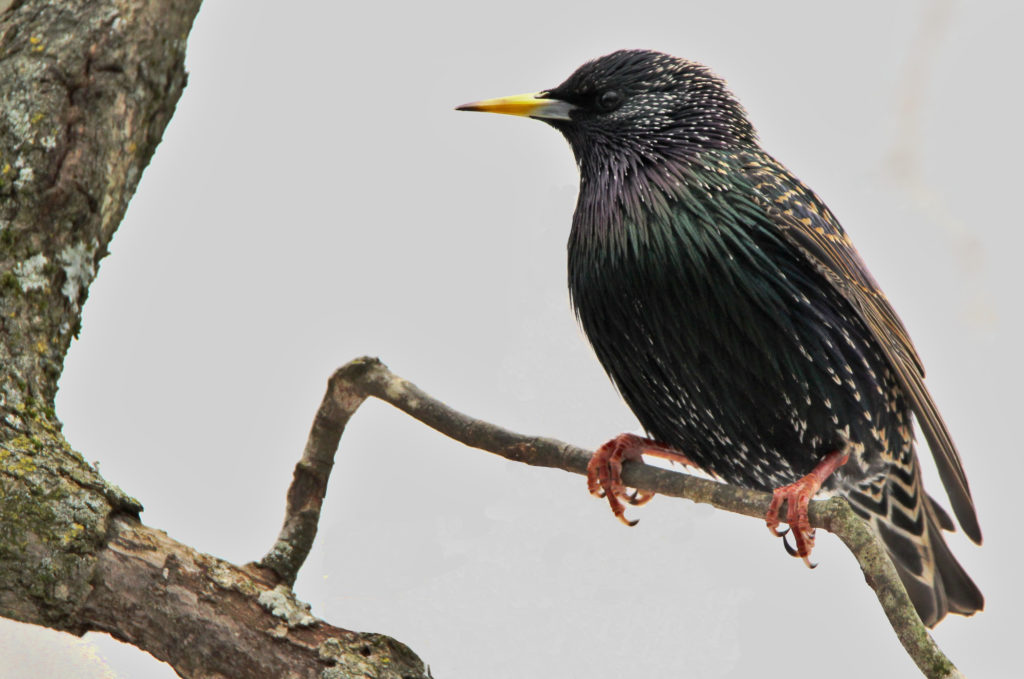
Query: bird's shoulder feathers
x=811, y=229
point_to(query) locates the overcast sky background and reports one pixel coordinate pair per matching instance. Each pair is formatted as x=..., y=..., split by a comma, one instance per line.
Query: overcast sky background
x=316, y=198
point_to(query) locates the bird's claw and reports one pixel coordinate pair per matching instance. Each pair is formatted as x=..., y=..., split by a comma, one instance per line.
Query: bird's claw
x=604, y=471
x=637, y=498
x=793, y=551
x=604, y=475
x=785, y=543
x=797, y=497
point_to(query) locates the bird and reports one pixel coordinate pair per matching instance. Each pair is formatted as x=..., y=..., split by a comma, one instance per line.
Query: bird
x=738, y=322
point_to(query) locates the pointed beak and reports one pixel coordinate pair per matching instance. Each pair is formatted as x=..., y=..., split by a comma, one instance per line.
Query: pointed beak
x=533, y=105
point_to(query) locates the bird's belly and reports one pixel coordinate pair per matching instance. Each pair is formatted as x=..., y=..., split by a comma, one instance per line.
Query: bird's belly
x=751, y=399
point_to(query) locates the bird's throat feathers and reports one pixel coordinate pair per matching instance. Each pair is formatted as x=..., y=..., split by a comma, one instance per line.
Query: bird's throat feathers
x=697, y=228
x=630, y=202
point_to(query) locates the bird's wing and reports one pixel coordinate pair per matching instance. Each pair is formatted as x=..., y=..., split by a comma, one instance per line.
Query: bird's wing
x=807, y=224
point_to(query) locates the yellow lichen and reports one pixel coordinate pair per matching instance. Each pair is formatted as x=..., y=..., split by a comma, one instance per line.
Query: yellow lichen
x=75, y=530
x=21, y=467
x=21, y=442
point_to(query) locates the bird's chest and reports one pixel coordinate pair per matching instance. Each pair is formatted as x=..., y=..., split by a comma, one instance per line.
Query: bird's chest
x=683, y=293
x=715, y=347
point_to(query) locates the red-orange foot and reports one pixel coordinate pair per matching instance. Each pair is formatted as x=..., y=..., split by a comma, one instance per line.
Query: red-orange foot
x=797, y=496
x=604, y=472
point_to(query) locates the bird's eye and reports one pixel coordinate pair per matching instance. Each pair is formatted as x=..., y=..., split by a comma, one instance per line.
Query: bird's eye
x=609, y=100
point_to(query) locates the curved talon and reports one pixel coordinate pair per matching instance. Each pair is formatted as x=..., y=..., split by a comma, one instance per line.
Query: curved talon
x=795, y=551
x=775, y=530
x=797, y=497
x=637, y=498
x=785, y=543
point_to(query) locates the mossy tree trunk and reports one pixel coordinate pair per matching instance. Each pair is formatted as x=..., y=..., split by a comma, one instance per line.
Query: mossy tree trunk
x=87, y=88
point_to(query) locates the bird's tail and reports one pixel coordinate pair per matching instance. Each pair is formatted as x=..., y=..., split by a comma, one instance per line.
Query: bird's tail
x=910, y=524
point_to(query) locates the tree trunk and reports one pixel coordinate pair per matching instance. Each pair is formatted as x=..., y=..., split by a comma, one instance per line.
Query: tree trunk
x=87, y=89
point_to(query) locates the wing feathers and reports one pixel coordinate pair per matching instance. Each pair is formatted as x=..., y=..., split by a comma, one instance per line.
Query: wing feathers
x=813, y=232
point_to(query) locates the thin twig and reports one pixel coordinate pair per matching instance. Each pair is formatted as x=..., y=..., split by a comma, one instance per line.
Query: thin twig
x=364, y=377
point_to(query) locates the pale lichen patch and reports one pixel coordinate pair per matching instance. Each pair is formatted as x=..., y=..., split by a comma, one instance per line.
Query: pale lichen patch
x=79, y=270
x=330, y=649
x=30, y=273
x=228, y=578
x=281, y=602
x=399, y=390
x=25, y=176
x=222, y=575
x=395, y=389
x=17, y=118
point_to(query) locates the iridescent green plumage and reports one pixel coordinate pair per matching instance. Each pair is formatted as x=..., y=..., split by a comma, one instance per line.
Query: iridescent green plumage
x=736, y=318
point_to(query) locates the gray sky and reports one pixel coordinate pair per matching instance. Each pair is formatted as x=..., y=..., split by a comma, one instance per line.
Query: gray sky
x=315, y=198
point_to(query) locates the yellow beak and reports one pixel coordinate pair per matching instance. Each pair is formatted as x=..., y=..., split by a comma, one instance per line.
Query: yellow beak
x=532, y=105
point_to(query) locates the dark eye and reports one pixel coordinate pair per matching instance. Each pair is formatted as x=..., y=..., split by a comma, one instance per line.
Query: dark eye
x=609, y=100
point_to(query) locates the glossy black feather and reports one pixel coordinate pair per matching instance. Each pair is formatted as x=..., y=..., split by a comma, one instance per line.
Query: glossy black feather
x=736, y=318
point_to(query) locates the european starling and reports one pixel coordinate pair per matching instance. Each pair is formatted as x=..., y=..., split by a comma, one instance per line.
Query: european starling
x=737, y=320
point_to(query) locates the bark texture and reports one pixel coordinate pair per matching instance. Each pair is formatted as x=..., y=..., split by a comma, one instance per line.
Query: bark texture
x=208, y=618
x=86, y=90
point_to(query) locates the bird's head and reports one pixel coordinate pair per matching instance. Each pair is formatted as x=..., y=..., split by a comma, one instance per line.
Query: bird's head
x=638, y=106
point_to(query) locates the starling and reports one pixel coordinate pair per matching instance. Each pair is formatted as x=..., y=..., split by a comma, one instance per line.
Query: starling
x=739, y=323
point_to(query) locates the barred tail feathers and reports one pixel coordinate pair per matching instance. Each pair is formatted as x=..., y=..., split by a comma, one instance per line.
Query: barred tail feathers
x=910, y=524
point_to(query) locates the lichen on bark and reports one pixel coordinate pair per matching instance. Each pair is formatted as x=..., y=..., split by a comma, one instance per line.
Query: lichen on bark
x=86, y=90
x=78, y=123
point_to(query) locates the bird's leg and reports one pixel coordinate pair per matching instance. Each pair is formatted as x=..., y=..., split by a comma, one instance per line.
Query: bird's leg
x=797, y=496
x=604, y=471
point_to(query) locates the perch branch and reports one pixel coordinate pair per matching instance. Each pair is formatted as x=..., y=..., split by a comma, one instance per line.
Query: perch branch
x=354, y=382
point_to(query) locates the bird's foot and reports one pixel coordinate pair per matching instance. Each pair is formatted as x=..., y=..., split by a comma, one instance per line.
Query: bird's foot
x=604, y=472
x=797, y=497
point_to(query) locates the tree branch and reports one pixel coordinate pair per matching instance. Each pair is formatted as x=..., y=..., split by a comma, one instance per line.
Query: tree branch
x=210, y=619
x=364, y=377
